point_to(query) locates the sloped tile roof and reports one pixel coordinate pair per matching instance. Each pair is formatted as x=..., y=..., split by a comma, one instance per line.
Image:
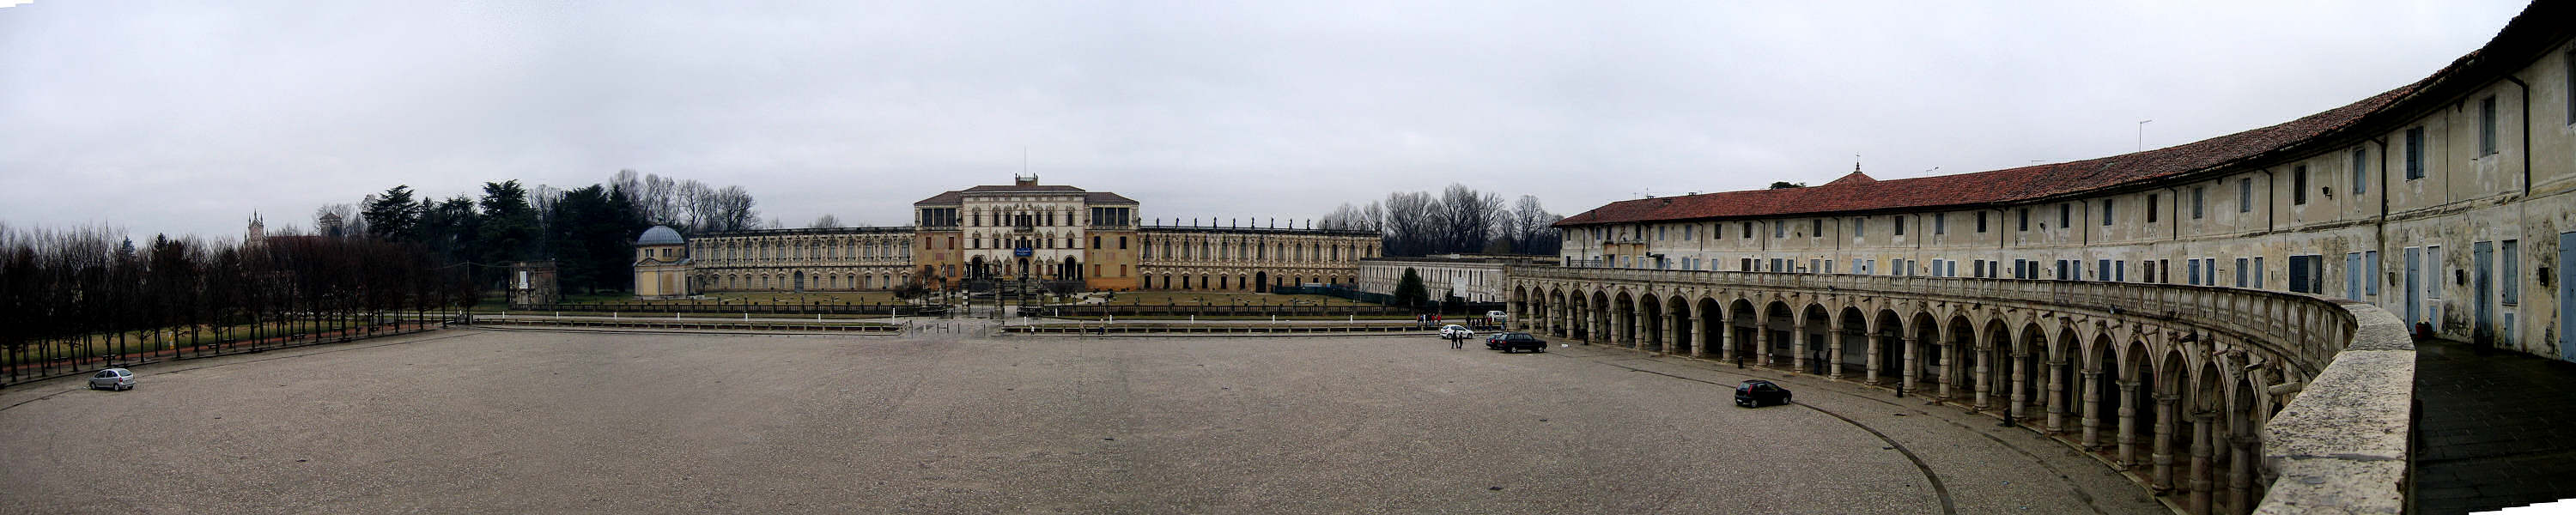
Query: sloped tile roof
x=1853, y=178
x=1856, y=193
x=1103, y=197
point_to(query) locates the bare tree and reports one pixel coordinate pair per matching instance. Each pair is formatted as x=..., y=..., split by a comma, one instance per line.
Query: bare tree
x=692, y=209
x=1468, y=218
x=728, y=209
x=1412, y=224
x=827, y=221
x=1348, y=218
x=1534, y=230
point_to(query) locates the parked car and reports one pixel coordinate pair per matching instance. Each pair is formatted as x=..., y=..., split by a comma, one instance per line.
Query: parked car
x=1456, y=331
x=1753, y=393
x=1498, y=316
x=1509, y=342
x=113, y=379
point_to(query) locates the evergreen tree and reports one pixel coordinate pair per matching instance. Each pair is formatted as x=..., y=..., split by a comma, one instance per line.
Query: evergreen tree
x=570, y=237
x=393, y=216
x=448, y=228
x=1409, y=291
x=509, y=225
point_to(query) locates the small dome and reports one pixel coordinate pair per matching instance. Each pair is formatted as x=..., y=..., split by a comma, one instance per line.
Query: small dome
x=660, y=235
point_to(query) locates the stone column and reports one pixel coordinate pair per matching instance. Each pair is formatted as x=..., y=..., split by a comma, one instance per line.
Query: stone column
x=1949, y=369
x=1598, y=325
x=1726, y=342
x=1985, y=378
x=1698, y=336
x=2056, y=398
x=1798, y=350
x=1871, y=367
x=2240, y=477
x=2128, y=436
x=1834, y=355
x=2019, y=407
x=2163, y=450
x=2200, y=460
x=1913, y=353
x=1678, y=334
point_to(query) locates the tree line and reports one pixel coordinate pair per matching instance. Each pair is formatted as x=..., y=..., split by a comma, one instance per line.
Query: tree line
x=586, y=231
x=1457, y=220
x=70, y=296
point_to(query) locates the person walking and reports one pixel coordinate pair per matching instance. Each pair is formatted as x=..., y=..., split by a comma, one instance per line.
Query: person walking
x=1457, y=341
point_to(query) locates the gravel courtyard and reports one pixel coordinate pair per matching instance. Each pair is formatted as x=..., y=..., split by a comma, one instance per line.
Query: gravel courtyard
x=489, y=421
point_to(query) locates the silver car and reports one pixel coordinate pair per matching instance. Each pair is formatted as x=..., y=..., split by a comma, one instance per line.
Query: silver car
x=113, y=379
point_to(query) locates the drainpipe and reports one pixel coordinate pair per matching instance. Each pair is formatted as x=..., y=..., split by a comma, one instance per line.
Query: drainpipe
x=2381, y=226
x=2526, y=133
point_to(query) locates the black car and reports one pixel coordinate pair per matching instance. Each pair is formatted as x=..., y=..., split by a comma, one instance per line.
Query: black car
x=1753, y=393
x=1508, y=342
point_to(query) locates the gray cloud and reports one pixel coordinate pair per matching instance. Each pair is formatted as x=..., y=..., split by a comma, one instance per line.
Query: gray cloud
x=183, y=117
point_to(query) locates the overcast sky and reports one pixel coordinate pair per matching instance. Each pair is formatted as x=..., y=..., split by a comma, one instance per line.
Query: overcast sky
x=185, y=117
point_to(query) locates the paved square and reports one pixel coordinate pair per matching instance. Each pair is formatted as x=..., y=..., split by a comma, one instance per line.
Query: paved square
x=527, y=421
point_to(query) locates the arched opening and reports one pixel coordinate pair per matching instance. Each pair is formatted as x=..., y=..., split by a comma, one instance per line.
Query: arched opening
x=1679, y=339
x=1780, y=330
x=2241, y=489
x=1650, y=326
x=1996, y=368
x=1959, y=359
x=1852, y=347
x=1712, y=326
x=1596, y=325
x=1578, y=310
x=1887, y=350
x=1072, y=270
x=1260, y=282
x=1922, y=354
x=2136, y=394
x=2167, y=437
x=1815, y=350
x=1744, y=325
x=1623, y=320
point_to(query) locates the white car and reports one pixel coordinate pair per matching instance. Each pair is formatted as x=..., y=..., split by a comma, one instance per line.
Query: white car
x=112, y=379
x=1498, y=316
x=1456, y=331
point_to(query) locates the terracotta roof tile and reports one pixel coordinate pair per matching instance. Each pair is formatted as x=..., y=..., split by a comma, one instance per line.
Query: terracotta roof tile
x=1856, y=192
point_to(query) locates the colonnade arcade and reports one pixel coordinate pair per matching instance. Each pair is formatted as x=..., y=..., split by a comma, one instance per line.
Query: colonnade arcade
x=2176, y=404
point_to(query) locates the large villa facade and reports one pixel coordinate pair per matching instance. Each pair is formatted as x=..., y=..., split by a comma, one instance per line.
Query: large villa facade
x=2445, y=201
x=1025, y=230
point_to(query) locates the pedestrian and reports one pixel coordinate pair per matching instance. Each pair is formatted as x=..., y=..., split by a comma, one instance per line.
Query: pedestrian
x=1457, y=341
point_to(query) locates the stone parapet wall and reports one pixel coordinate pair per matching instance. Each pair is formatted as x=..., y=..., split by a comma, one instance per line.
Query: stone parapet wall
x=2341, y=446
